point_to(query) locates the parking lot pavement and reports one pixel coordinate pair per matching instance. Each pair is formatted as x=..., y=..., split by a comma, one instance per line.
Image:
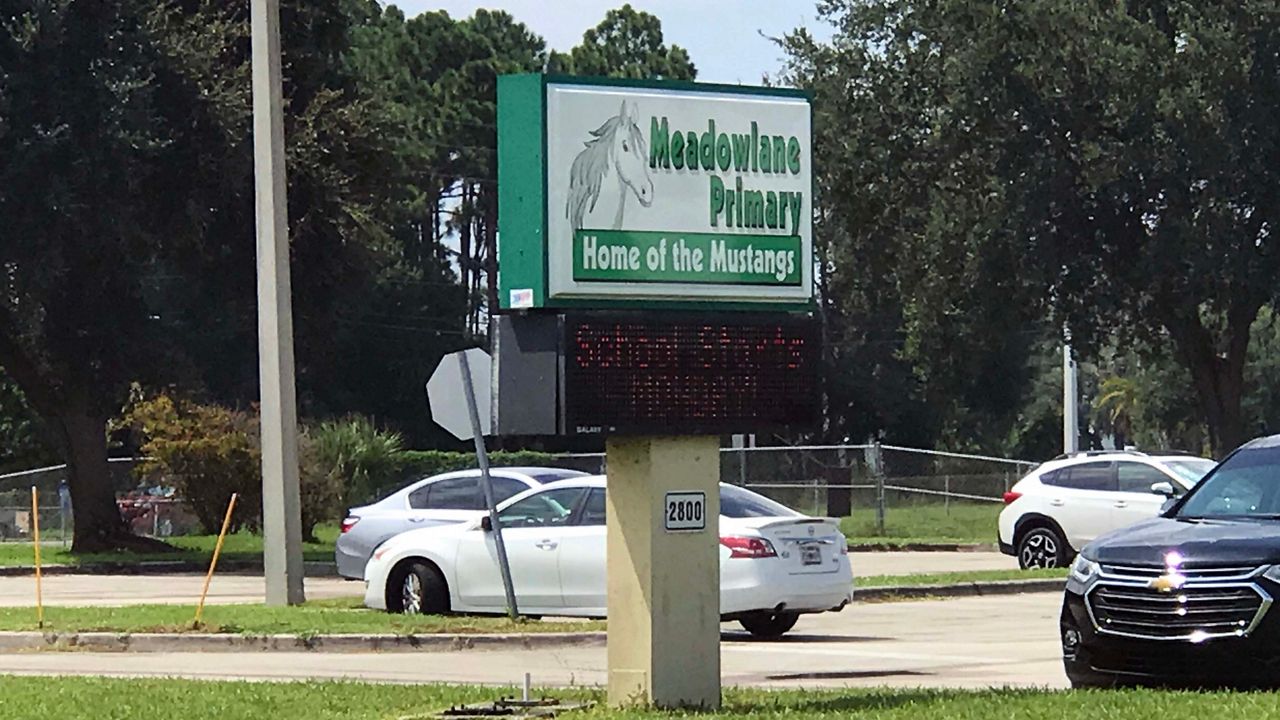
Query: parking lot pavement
x=155, y=589
x=966, y=642
x=866, y=563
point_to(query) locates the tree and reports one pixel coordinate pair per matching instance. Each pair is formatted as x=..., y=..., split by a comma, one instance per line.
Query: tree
x=1109, y=164
x=127, y=202
x=22, y=442
x=628, y=43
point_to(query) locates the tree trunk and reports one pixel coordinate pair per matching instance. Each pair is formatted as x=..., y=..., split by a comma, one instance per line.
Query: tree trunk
x=98, y=526
x=491, y=251
x=1218, y=374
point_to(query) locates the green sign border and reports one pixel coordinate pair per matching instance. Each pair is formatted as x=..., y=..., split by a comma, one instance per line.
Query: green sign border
x=522, y=192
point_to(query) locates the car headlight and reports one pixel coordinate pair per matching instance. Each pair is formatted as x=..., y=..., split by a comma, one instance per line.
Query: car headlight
x=1083, y=569
x=1272, y=574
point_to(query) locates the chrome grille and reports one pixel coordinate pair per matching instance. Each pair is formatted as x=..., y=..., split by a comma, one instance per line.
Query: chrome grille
x=1211, y=603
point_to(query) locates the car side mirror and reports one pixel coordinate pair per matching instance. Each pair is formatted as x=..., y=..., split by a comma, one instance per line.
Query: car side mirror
x=1163, y=488
x=486, y=524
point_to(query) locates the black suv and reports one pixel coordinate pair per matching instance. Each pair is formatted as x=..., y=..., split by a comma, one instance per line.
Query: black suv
x=1185, y=598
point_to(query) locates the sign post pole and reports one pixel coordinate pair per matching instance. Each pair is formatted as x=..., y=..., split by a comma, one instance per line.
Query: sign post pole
x=482, y=457
x=663, y=584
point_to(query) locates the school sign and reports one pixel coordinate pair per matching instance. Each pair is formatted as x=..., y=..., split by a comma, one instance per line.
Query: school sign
x=617, y=193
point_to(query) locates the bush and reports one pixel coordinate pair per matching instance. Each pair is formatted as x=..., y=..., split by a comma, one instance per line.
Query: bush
x=415, y=464
x=357, y=455
x=206, y=452
x=320, y=486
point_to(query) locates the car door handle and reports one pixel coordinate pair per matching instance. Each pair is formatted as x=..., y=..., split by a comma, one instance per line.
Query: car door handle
x=1122, y=504
x=417, y=519
x=547, y=545
x=1057, y=502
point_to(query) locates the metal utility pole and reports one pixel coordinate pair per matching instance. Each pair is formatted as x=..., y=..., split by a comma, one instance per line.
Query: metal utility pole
x=281, y=515
x=1070, y=398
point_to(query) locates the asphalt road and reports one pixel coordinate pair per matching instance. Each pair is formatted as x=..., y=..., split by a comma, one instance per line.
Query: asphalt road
x=181, y=589
x=965, y=642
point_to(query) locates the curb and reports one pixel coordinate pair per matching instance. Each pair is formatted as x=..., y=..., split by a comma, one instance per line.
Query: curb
x=207, y=642
x=162, y=567
x=973, y=589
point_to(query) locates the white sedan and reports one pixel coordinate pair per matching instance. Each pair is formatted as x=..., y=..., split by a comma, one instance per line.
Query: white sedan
x=775, y=563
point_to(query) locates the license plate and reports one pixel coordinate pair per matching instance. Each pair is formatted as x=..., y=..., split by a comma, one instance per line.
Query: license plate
x=811, y=554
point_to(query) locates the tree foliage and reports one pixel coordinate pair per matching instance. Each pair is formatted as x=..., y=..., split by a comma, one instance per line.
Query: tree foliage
x=1108, y=165
x=127, y=198
x=628, y=43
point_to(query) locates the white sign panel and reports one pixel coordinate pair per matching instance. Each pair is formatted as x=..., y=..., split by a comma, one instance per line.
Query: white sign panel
x=685, y=511
x=678, y=194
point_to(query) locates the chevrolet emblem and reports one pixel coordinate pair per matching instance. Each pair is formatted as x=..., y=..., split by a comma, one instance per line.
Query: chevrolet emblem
x=1168, y=582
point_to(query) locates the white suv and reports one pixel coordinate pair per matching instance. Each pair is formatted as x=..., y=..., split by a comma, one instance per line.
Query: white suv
x=1065, y=503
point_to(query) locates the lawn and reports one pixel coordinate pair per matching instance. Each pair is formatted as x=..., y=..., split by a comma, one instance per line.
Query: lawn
x=23, y=698
x=320, y=617
x=961, y=523
x=240, y=547
x=952, y=578
x=346, y=615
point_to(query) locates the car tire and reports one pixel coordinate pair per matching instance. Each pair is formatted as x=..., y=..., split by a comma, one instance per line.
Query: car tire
x=769, y=625
x=1042, y=547
x=417, y=588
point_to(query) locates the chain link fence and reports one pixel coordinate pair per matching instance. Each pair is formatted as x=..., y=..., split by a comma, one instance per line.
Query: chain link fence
x=884, y=490
x=880, y=491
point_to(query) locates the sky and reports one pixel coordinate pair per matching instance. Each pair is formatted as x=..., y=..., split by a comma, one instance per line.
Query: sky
x=723, y=37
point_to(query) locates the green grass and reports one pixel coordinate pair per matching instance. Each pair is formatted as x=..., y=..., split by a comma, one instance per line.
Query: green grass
x=314, y=618
x=952, y=578
x=196, y=548
x=962, y=523
x=23, y=698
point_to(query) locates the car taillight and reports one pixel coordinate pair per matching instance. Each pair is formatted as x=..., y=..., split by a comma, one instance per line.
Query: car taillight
x=1011, y=496
x=349, y=522
x=748, y=547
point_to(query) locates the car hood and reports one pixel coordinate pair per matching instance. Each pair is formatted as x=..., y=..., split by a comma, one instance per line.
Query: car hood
x=1201, y=543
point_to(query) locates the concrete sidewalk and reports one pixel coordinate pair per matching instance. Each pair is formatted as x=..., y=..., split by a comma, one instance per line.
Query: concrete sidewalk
x=115, y=590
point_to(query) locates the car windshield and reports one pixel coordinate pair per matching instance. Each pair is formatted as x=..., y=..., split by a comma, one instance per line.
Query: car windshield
x=736, y=502
x=1190, y=470
x=1245, y=484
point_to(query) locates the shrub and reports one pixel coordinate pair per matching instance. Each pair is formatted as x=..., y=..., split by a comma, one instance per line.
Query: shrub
x=206, y=452
x=320, y=486
x=355, y=453
x=415, y=464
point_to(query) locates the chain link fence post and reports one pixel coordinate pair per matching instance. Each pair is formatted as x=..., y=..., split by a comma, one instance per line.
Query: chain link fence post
x=875, y=463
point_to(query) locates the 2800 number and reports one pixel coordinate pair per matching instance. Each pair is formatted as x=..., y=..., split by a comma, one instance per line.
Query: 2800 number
x=682, y=511
x=686, y=511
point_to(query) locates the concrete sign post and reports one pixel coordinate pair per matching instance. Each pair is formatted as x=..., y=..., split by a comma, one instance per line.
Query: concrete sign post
x=664, y=571
x=457, y=389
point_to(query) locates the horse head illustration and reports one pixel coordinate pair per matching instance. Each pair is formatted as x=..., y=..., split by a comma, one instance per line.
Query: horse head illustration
x=616, y=149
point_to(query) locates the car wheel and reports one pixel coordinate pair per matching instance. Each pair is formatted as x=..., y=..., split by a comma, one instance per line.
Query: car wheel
x=768, y=624
x=418, y=589
x=1042, y=547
